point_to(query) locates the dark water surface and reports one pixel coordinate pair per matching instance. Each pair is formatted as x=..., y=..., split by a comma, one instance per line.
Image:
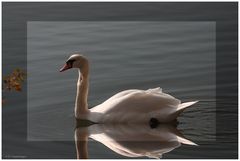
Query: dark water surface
x=178, y=56
x=122, y=55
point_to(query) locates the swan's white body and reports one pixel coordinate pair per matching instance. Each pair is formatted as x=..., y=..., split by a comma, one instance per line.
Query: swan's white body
x=130, y=106
x=138, y=106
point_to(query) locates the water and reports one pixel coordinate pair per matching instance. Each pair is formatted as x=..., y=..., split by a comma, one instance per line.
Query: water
x=122, y=55
x=178, y=56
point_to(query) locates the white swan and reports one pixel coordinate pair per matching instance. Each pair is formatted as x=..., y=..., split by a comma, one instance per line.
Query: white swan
x=129, y=106
x=131, y=140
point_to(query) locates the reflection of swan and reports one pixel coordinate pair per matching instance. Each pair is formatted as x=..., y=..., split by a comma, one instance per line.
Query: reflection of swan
x=125, y=107
x=131, y=140
x=81, y=140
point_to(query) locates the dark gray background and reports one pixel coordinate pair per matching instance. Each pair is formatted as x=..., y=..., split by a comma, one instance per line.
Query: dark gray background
x=14, y=114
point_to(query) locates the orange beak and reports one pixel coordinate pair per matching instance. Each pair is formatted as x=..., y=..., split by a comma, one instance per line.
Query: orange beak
x=65, y=67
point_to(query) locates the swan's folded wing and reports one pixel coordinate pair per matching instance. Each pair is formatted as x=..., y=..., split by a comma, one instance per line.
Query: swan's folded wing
x=137, y=102
x=121, y=94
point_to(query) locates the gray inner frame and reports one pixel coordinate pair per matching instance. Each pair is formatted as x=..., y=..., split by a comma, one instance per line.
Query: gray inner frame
x=123, y=55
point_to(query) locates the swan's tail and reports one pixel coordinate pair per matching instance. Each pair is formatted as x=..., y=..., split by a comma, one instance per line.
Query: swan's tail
x=182, y=106
x=185, y=141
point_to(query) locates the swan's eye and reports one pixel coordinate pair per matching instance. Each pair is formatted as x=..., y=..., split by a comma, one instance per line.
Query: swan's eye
x=70, y=62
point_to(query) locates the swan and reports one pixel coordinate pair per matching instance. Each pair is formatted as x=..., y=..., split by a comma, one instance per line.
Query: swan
x=151, y=106
x=131, y=140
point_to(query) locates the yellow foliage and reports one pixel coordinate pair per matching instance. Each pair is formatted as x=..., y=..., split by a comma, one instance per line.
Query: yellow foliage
x=14, y=80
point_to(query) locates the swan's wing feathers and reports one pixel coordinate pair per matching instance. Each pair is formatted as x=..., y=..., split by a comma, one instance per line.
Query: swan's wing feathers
x=154, y=90
x=130, y=91
x=137, y=106
x=121, y=94
x=140, y=101
x=163, y=96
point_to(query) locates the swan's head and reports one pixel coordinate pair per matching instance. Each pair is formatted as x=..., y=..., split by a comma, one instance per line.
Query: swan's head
x=75, y=61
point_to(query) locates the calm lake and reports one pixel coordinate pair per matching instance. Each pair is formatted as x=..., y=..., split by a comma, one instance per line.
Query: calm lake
x=178, y=56
x=122, y=55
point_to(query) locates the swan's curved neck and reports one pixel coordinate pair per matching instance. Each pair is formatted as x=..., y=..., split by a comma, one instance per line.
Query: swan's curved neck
x=81, y=105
